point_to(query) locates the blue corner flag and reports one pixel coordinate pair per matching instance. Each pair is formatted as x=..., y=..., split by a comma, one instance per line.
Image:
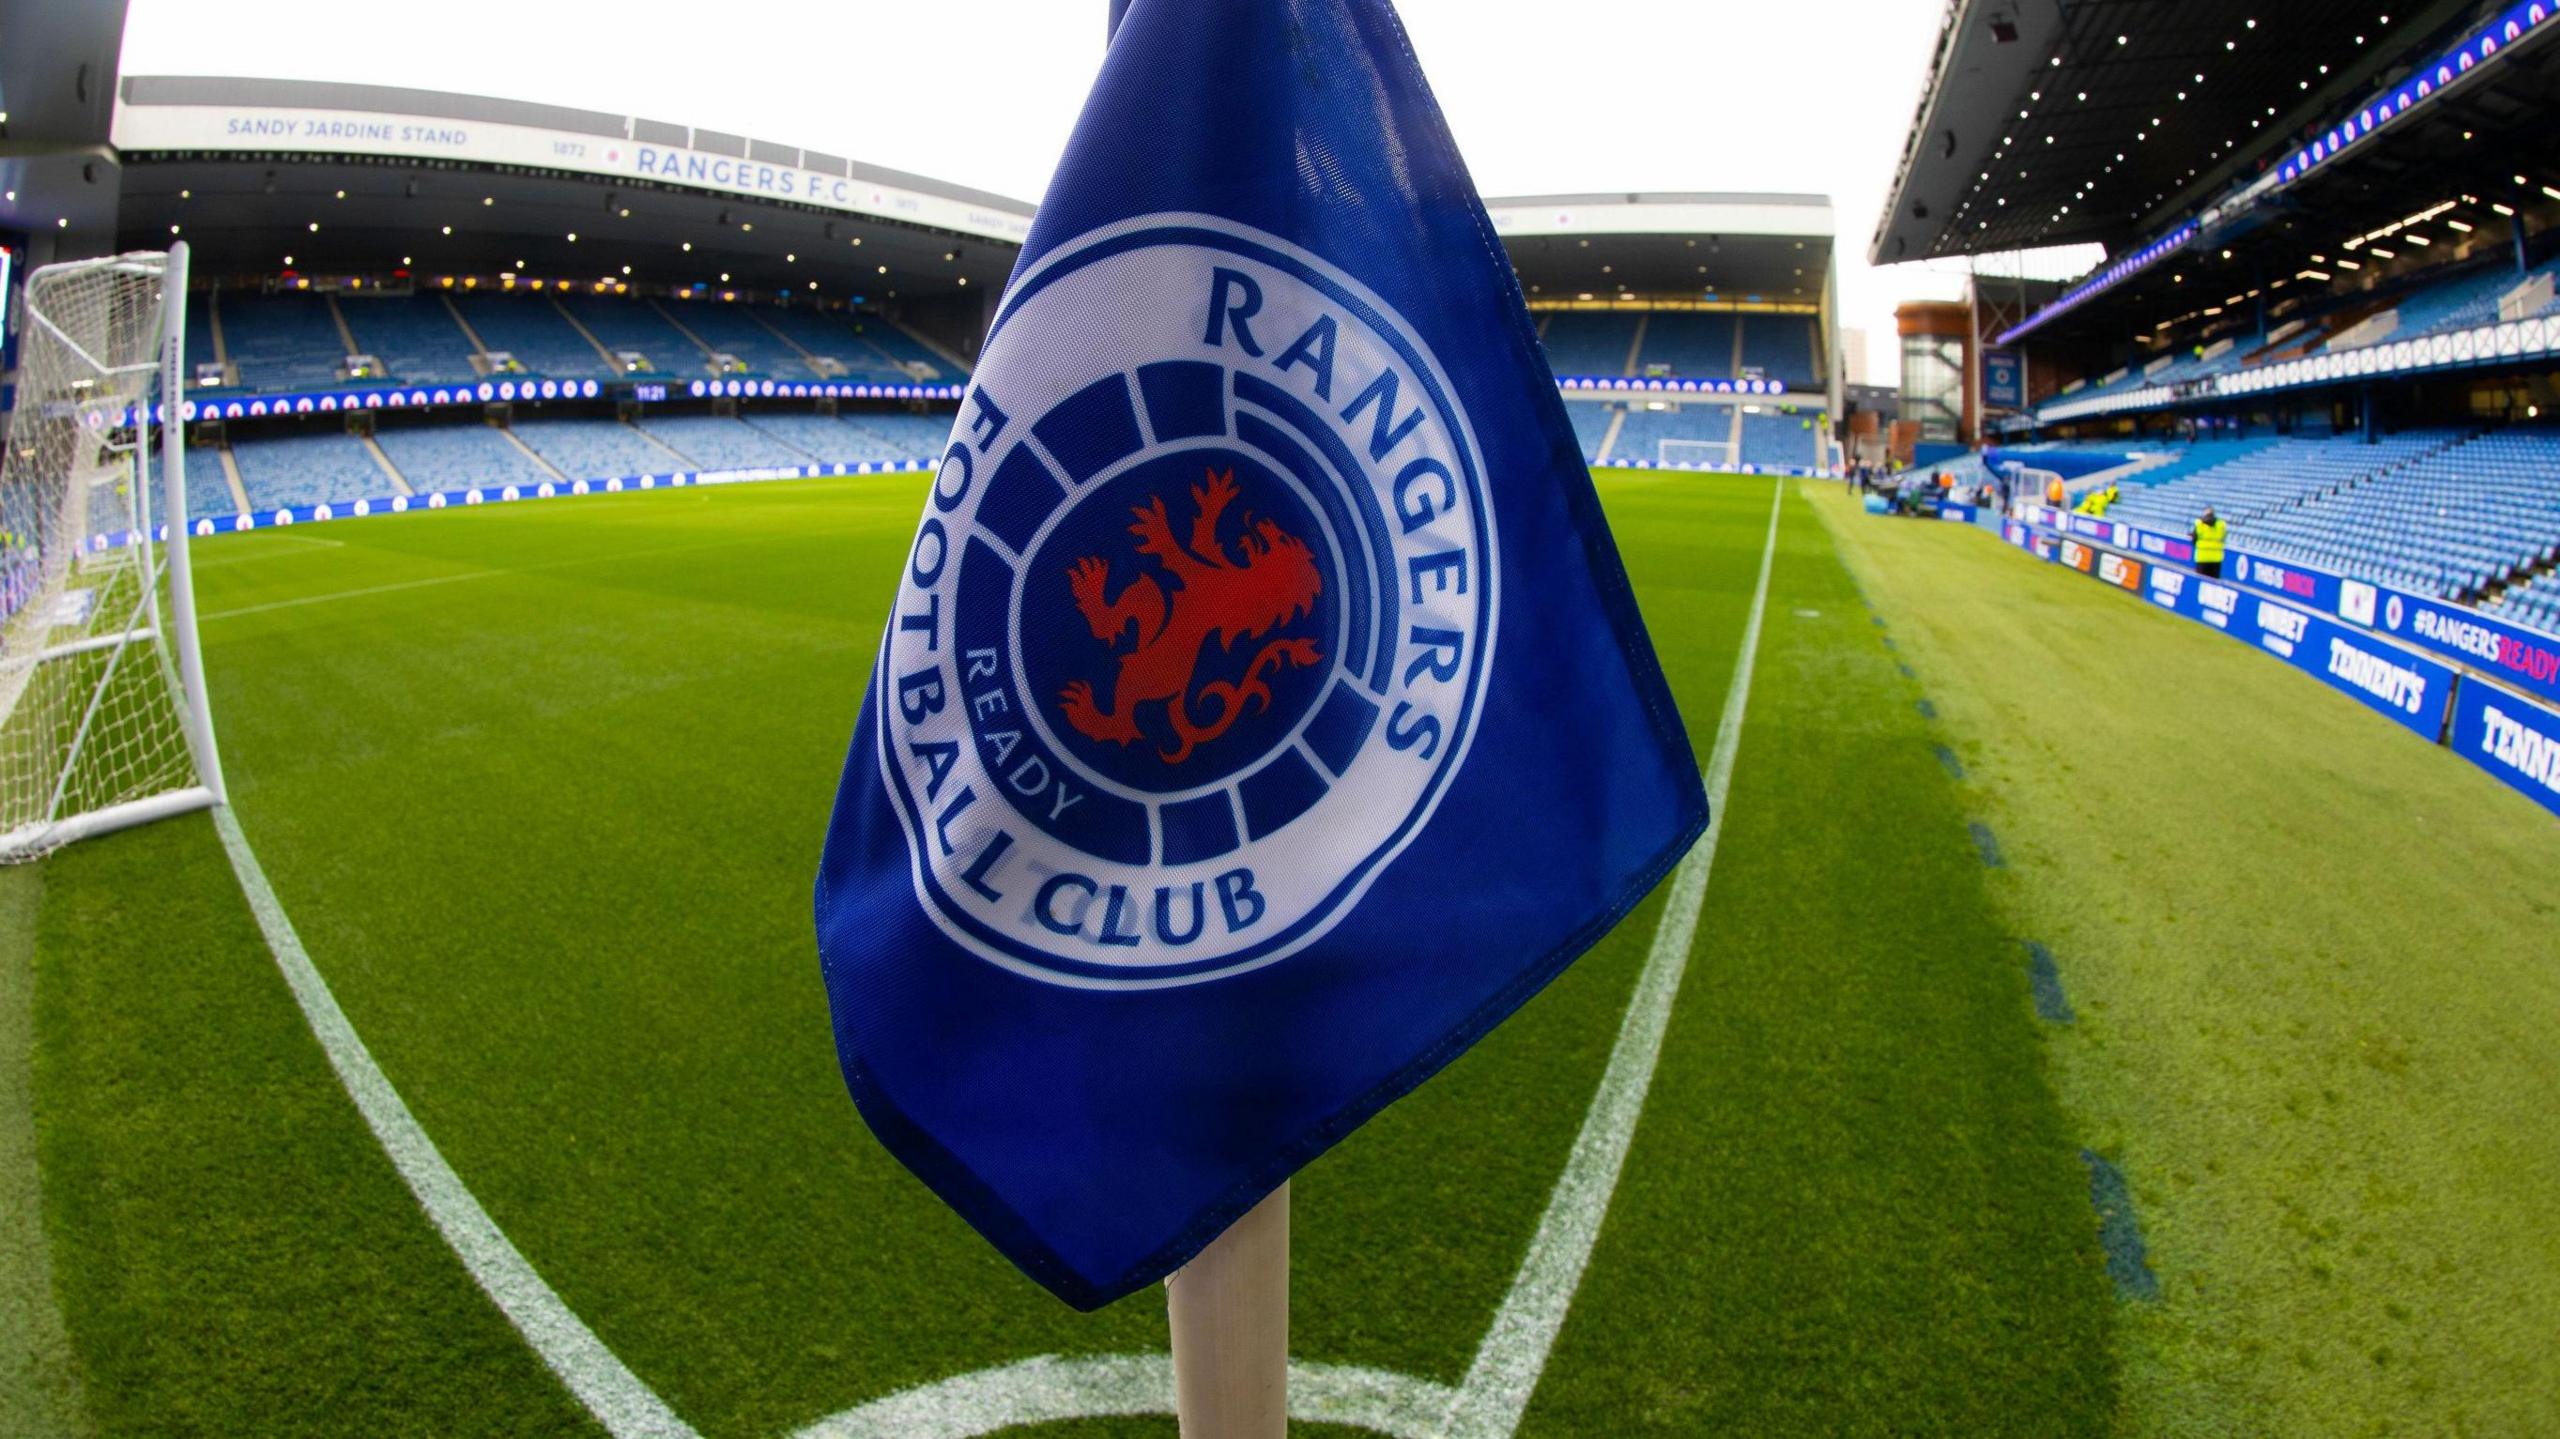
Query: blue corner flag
x=1264, y=715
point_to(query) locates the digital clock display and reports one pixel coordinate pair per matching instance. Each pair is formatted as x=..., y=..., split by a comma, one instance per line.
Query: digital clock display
x=648, y=393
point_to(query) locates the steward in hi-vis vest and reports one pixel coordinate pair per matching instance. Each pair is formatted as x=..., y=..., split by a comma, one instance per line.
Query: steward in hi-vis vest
x=2209, y=534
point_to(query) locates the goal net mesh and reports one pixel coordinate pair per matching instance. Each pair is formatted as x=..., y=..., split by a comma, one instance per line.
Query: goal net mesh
x=90, y=711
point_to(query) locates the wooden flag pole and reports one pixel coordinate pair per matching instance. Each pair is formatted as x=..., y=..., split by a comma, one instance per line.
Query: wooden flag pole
x=1230, y=1313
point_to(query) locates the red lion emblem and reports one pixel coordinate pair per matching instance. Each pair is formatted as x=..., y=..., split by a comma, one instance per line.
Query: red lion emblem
x=1217, y=598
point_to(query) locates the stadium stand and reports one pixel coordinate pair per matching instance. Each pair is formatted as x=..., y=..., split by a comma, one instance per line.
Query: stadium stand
x=283, y=343
x=321, y=467
x=1688, y=343
x=718, y=442
x=1589, y=342
x=1778, y=438
x=457, y=457
x=1591, y=424
x=829, y=335
x=732, y=329
x=904, y=349
x=619, y=324
x=1779, y=346
x=2450, y=522
x=1640, y=438
x=200, y=351
x=414, y=337
x=532, y=329
x=893, y=435
x=2261, y=479
x=585, y=449
x=2535, y=603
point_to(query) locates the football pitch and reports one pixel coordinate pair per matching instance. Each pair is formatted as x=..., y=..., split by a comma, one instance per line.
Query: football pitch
x=2086, y=1028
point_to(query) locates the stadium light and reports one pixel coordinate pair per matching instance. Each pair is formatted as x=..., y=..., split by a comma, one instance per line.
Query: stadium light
x=315, y=227
x=688, y=247
x=448, y=229
x=965, y=280
x=488, y=199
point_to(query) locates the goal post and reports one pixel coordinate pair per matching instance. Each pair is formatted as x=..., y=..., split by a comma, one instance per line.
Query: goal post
x=103, y=720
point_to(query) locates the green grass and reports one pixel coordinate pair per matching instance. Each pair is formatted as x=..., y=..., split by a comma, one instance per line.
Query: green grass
x=2312, y=961
x=542, y=786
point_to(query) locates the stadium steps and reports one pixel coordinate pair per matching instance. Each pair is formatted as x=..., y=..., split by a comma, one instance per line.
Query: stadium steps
x=682, y=329
x=399, y=482
x=479, y=347
x=1735, y=371
x=530, y=453
x=338, y=317
x=1733, y=433
x=231, y=477
x=221, y=351
x=1608, y=442
x=606, y=355
x=1635, y=345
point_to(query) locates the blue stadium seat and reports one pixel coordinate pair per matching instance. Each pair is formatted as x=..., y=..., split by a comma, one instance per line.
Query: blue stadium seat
x=532, y=329
x=457, y=455
x=1589, y=342
x=321, y=466
x=414, y=337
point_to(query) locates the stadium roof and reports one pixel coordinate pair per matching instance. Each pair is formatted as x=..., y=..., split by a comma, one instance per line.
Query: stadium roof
x=2107, y=120
x=253, y=171
x=266, y=174
x=1744, y=247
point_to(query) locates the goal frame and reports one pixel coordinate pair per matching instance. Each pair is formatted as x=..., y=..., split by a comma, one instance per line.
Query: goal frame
x=172, y=534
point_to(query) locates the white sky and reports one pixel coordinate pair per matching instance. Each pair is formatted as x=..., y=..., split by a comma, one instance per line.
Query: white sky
x=1594, y=95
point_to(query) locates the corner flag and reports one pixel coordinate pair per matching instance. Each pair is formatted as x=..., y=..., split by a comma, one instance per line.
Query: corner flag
x=1264, y=715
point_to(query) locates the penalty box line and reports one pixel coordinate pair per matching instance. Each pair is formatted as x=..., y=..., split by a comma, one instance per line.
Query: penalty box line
x=620, y=1401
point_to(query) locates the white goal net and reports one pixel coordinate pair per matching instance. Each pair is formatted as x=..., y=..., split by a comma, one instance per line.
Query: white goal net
x=1696, y=454
x=102, y=716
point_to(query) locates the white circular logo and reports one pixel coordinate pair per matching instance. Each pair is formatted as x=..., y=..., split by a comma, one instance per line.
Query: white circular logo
x=2392, y=612
x=1195, y=629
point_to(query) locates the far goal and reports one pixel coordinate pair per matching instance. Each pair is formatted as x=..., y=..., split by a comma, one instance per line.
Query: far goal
x=103, y=720
x=1693, y=454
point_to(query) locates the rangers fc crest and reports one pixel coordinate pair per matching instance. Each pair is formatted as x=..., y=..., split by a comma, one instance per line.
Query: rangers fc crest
x=1193, y=633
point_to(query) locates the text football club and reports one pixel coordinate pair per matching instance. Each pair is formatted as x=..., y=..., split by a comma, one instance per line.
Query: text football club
x=1194, y=631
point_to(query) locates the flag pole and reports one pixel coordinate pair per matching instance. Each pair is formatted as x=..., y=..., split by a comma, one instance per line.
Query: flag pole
x=1230, y=1312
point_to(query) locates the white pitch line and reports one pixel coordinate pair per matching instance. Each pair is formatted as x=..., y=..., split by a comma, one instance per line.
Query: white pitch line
x=1514, y=1352
x=619, y=1400
x=1050, y=1389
